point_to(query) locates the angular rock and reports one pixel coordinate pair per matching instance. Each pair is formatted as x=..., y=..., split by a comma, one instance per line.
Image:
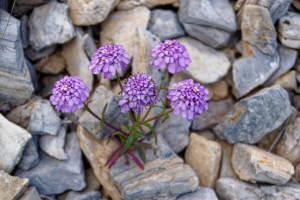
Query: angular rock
x=208, y=65
x=165, y=24
x=93, y=195
x=22, y=5
x=12, y=187
x=256, y=165
x=30, y=156
x=220, y=90
x=24, y=31
x=54, y=64
x=216, y=112
x=288, y=80
x=50, y=24
x=204, y=157
x=52, y=176
x=34, y=55
x=129, y=4
x=88, y=45
x=32, y=71
x=253, y=117
x=30, y=194
x=200, y=193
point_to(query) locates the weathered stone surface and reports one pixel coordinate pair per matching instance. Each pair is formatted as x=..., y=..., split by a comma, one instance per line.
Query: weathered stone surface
x=256, y=165
x=129, y=4
x=204, y=156
x=88, y=45
x=207, y=134
x=34, y=55
x=30, y=194
x=30, y=156
x=52, y=176
x=11, y=188
x=200, y=193
x=24, y=31
x=85, y=13
x=120, y=26
x=32, y=71
x=22, y=5
x=208, y=65
x=277, y=192
x=165, y=24
x=253, y=117
x=49, y=81
x=54, y=64
x=37, y=116
x=220, y=90
x=296, y=101
x=216, y=112
x=93, y=195
x=288, y=80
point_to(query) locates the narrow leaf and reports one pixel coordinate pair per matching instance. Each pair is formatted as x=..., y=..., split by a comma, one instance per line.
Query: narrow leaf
x=166, y=118
x=140, y=151
x=146, y=145
x=111, y=157
x=164, y=105
x=102, y=125
x=127, y=126
x=108, y=140
x=152, y=129
x=137, y=123
x=136, y=160
x=155, y=106
x=127, y=144
x=103, y=112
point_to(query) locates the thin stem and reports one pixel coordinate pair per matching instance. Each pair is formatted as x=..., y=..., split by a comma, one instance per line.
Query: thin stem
x=119, y=81
x=131, y=117
x=8, y=21
x=160, y=115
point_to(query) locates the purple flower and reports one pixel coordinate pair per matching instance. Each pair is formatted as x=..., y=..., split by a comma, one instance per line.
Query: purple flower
x=108, y=59
x=189, y=98
x=170, y=52
x=69, y=94
x=139, y=91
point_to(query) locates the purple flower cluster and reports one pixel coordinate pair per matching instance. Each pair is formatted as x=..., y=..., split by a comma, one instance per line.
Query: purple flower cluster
x=69, y=94
x=189, y=98
x=108, y=59
x=139, y=91
x=170, y=52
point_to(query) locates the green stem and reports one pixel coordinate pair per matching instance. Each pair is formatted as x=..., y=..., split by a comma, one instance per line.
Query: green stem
x=160, y=115
x=137, y=123
x=119, y=81
x=8, y=21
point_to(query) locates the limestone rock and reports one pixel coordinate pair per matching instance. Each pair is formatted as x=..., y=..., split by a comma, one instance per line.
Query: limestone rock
x=200, y=193
x=23, y=5
x=50, y=24
x=204, y=157
x=34, y=55
x=93, y=195
x=288, y=80
x=24, y=31
x=30, y=156
x=88, y=45
x=30, y=194
x=54, y=64
x=220, y=90
x=277, y=192
x=129, y=4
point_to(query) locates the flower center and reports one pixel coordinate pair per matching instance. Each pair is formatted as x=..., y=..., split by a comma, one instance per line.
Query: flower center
x=169, y=42
x=104, y=51
x=195, y=89
x=64, y=87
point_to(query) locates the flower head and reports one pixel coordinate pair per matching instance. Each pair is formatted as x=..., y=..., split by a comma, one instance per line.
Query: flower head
x=170, y=52
x=69, y=94
x=139, y=91
x=189, y=98
x=108, y=59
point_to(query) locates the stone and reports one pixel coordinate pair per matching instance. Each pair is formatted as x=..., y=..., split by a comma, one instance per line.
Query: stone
x=287, y=29
x=48, y=82
x=200, y=193
x=37, y=116
x=88, y=45
x=253, y=164
x=113, y=115
x=288, y=80
x=12, y=187
x=208, y=65
x=24, y=31
x=298, y=77
x=296, y=3
x=277, y=192
x=13, y=140
x=92, y=183
x=130, y=4
x=253, y=117
x=93, y=195
x=86, y=13
x=206, y=134
x=50, y=24
x=297, y=172
x=54, y=64
x=52, y=176
x=216, y=112
x=15, y=82
x=23, y=5
x=32, y=71
x=165, y=24
x=120, y=26
x=76, y=59
x=287, y=61
x=30, y=194
x=204, y=156
x=296, y=101
x=4, y=5
x=34, y=55
x=30, y=156
x=4, y=106
x=220, y=90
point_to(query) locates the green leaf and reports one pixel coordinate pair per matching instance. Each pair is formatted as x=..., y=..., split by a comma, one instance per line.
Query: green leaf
x=119, y=92
x=164, y=105
x=155, y=106
x=127, y=126
x=102, y=125
x=147, y=145
x=108, y=140
x=166, y=118
x=152, y=129
x=140, y=151
x=127, y=144
x=127, y=116
x=162, y=78
x=164, y=88
x=103, y=112
x=137, y=123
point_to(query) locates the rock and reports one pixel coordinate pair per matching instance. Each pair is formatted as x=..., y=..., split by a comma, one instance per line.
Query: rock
x=113, y=115
x=88, y=45
x=97, y=152
x=30, y=194
x=206, y=134
x=37, y=116
x=216, y=112
x=287, y=29
x=296, y=3
x=76, y=59
x=48, y=82
x=50, y=24
x=298, y=77
x=297, y=172
x=4, y=106
x=220, y=90
x=83, y=13
x=288, y=80
x=119, y=27
x=204, y=156
x=129, y=4
x=23, y=5
x=15, y=82
x=30, y=156
x=54, y=64
x=200, y=193
x=4, y=5
x=287, y=61
x=296, y=101
x=24, y=31
x=52, y=176
x=277, y=192
x=12, y=187
x=93, y=195
x=165, y=24
x=34, y=55
x=32, y=71
x=253, y=117
x=256, y=165
x=208, y=65
x=165, y=176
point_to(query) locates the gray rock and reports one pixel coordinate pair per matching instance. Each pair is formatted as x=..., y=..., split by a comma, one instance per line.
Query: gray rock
x=30, y=156
x=296, y=101
x=32, y=71
x=4, y=106
x=52, y=176
x=93, y=195
x=34, y=55
x=88, y=45
x=49, y=82
x=30, y=194
x=152, y=182
x=165, y=24
x=276, y=192
x=4, y=5
x=23, y=5
x=50, y=24
x=253, y=117
x=201, y=193
x=24, y=31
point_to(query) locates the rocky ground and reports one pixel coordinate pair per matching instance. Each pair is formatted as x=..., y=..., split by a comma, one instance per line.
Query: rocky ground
x=246, y=146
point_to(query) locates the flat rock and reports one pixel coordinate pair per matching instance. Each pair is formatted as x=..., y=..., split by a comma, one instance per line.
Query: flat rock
x=34, y=55
x=54, y=64
x=12, y=187
x=52, y=176
x=30, y=194
x=204, y=156
x=200, y=193
x=89, y=45
x=129, y=4
x=220, y=90
x=30, y=156
x=93, y=195
x=253, y=117
x=208, y=65
x=288, y=80
x=24, y=31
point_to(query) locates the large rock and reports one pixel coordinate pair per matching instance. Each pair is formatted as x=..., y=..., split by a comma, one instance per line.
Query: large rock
x=204, y=157
x=253, y=117
x=52, y=176
x=288, y=80
x=50, y=24
x=54, y=64
x=93, y=195
x=89, y=45
x=30, y=156
x=129, y=4
x=208, y=65
x=30, y=194
x=201, y=193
